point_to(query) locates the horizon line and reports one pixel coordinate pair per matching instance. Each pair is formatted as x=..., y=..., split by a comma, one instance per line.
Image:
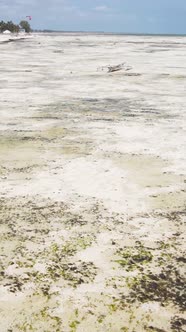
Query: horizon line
x=110, y=32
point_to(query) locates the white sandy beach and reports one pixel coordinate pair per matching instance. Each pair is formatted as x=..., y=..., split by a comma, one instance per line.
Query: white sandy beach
x=92, y=183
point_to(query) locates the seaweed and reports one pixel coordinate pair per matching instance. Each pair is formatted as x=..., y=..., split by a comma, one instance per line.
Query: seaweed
x=165, y=287
x=132, y=258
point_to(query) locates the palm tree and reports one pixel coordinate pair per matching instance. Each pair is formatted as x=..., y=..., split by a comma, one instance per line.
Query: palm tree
x=25, y=25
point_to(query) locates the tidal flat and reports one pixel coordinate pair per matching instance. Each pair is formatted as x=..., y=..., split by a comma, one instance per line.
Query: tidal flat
x=92, y=184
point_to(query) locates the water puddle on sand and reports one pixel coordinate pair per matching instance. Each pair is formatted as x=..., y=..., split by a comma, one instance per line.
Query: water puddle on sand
x=170, y=201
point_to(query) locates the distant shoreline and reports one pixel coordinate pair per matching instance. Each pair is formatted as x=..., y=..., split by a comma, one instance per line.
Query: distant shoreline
x=110, y=33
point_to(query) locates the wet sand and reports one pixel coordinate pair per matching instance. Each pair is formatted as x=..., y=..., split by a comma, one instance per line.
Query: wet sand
x=92, y=184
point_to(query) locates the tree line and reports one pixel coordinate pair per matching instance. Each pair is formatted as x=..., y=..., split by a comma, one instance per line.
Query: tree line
x=14, y=28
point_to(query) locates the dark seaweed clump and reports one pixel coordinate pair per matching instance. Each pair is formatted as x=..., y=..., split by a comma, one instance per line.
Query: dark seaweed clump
x=178, y=324
x=166, y=287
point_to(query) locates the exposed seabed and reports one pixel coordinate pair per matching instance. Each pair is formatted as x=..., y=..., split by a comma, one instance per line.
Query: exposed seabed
x=92, y=184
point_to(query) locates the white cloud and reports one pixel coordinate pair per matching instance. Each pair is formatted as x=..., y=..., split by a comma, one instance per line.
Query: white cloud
x=102, y=8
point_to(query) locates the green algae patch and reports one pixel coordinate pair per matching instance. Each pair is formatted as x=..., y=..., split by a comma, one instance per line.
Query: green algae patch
x=133, y=258
x=73, y=325
x=73, y=273
x=41, y=242
x=60, y=264
x=19, y=156
x=40, y=321
x=3, y=171
x=72, y=246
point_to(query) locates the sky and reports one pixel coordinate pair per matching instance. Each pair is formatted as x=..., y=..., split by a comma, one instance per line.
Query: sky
x=128, y=16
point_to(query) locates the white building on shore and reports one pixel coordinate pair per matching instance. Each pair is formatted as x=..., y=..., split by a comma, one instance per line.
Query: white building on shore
x=7, y=32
